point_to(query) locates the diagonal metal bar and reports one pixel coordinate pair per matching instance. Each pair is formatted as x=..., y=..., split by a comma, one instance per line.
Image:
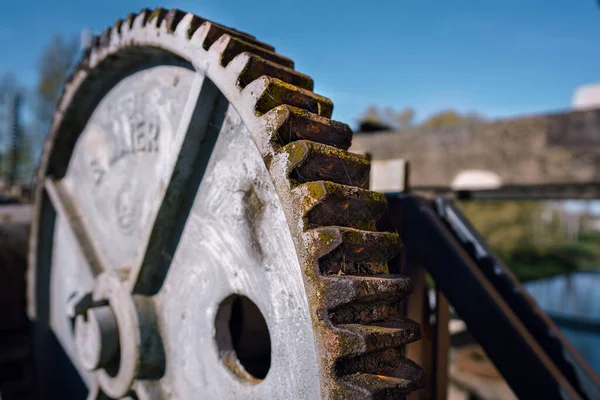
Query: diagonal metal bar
x=64, y=206
x=198, y=129
x=496, y=322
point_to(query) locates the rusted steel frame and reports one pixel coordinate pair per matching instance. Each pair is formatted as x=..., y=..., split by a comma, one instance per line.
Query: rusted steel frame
x=417, y=308
x=531, y=369
x=534, y=318
x=441, y=346
x=432, y=351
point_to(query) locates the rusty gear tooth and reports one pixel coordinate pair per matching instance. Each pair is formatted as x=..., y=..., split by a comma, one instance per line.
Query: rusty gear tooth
x=297, y=124
x=105, y=37
x=173, y=18
x=255, y=67
x=358, y=338
x=342, y=290
x=311, y=161
x=142, y=17
x=228, y=47
x=197, y=21
x=193, y=24
x=117, y=26
x=156, y=16
x=217, y=31
x=134, y=20
x=84, y=62
x=387, y=362
x=366, y=311
x=95, y=42
x=271, y=92
x=356, y=252
x=129, y=21
x=244, y=34
x=375, y=386
x=327, y=203
x=198, y=32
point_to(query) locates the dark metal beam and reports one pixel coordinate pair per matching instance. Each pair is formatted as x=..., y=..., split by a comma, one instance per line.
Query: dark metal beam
x=563, y=191
x=524, y=344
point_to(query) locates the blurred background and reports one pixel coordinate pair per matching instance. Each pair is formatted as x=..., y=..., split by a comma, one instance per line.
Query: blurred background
x=393, y=70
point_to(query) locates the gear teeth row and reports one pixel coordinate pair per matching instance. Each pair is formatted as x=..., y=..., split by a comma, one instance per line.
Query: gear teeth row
x=312, y=161
x=327, y=203
x=356, y=301
x=215, y=32
x=174, y=16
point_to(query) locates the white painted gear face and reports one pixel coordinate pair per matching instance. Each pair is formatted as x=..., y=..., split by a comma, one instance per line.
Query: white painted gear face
x=234, y=242
x=200, y=230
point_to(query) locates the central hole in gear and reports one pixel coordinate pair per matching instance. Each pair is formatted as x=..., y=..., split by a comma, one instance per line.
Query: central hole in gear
x=243, y=338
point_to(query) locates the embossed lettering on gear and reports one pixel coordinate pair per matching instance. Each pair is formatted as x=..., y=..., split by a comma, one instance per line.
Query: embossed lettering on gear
x=230, y=239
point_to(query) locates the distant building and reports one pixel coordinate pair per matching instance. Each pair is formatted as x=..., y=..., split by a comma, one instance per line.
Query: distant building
x=587, y=97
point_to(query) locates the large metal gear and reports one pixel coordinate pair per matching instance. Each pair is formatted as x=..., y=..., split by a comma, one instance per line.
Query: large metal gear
x=201, y=231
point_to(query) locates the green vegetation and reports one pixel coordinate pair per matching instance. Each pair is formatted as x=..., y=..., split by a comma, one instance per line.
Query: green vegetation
x=530, y=238
x=449, y=118
x=54, y=66
x=375, y=119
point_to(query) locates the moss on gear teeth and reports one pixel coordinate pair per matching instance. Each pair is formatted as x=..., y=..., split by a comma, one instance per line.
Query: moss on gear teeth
x=352, y=298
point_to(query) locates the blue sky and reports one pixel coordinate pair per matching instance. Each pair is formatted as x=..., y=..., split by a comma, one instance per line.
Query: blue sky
x=498, y=58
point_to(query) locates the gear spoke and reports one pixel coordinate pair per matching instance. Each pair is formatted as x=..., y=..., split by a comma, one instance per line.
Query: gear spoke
x=199, y=126
x=74, y=265
x=65, y=207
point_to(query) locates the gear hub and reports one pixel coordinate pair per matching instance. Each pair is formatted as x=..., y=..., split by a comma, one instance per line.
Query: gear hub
x=97, y=338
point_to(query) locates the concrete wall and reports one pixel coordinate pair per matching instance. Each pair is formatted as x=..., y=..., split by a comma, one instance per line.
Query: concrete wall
x=547, y=149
